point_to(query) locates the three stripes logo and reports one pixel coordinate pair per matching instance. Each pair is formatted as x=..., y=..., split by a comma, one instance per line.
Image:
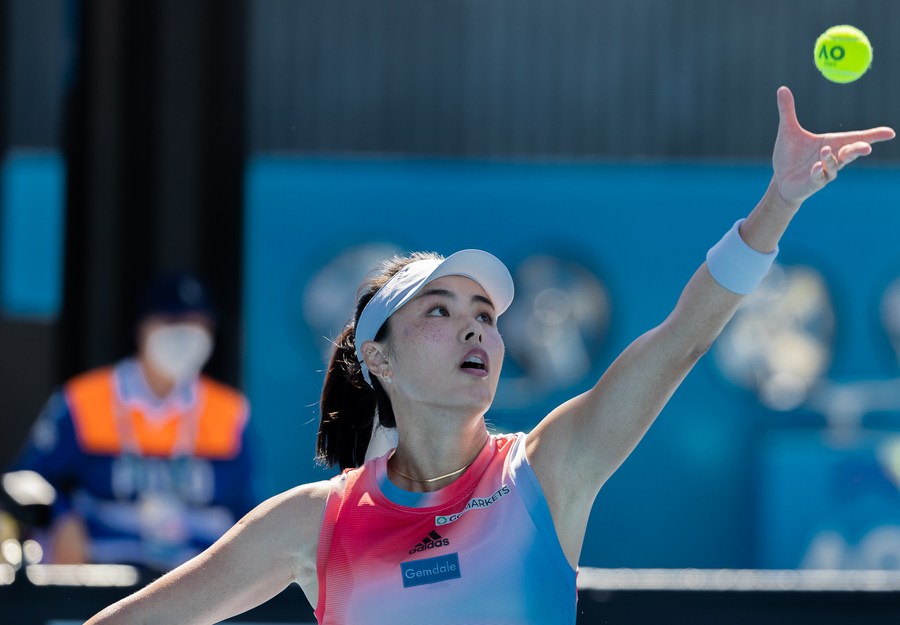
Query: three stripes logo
x=432, y=541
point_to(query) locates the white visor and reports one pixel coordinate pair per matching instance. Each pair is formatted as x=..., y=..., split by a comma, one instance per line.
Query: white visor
x=485, y=269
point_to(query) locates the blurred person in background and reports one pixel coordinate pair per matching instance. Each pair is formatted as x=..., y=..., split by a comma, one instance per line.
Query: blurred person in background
x=148, y=456
x=456, y=525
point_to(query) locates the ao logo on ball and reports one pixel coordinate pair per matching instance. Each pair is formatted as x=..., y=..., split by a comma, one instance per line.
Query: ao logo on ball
x=843, y=53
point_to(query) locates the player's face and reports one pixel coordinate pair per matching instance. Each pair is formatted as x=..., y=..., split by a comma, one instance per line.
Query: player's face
x=444, y=349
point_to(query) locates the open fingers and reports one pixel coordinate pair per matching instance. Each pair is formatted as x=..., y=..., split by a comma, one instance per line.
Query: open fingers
x=829, y=163
x=787, y=112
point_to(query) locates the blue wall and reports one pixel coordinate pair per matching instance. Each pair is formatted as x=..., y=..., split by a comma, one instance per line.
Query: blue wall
x=32, y=222
x=688, y=495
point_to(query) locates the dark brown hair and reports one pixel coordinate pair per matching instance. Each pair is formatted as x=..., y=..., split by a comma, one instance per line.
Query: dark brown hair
x=348, y=405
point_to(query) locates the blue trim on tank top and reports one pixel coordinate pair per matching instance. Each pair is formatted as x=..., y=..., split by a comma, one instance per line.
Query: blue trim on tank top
x=402, y=497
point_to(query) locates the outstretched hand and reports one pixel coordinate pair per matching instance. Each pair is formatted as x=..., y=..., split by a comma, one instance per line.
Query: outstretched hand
x=805, y=162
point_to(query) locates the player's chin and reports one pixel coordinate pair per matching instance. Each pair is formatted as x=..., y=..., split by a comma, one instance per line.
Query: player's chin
x=477, y=393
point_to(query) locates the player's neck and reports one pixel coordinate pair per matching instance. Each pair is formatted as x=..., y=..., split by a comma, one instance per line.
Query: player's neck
x=426, y=462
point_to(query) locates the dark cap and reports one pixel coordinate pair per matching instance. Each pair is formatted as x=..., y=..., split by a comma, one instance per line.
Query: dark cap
x=176, y=294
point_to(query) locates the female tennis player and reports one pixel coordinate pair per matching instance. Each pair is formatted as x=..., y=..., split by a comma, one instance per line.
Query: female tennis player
x=456, y=525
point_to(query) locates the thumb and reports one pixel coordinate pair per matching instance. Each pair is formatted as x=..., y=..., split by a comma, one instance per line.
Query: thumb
x=787, y=113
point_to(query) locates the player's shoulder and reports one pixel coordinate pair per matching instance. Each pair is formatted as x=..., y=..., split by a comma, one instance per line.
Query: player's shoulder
x=289, y=521
x=302, y=504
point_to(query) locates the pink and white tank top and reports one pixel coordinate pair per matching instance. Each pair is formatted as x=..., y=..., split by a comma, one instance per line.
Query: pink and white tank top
x=482, y=550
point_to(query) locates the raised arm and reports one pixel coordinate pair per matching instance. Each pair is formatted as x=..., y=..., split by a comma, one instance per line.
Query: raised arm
x=273, y=546
x=580, y=444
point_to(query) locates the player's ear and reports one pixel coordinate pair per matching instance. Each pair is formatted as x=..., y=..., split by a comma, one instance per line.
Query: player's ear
x=374, y=356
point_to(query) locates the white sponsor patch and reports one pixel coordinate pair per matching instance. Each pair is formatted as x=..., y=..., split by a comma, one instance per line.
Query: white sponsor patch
x=474, y=503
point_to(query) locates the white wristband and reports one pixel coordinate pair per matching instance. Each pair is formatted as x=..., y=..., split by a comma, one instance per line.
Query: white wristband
x=737, y=266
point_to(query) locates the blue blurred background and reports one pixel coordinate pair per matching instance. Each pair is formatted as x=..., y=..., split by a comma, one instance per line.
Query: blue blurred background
x=280, y=148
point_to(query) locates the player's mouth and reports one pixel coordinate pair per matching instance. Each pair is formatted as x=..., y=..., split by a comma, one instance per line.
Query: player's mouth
x=476, y=363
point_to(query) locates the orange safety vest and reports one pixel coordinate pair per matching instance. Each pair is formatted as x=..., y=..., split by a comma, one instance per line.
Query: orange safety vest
x=221, y=417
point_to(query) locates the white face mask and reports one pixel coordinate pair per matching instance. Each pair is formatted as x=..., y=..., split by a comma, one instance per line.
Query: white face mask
x=179, y=350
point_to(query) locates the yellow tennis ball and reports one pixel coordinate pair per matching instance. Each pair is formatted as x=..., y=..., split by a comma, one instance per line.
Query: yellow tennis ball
x=843, y=53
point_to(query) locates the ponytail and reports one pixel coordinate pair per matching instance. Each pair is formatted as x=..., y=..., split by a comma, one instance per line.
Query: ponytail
x=349, y=406
x=347, y=410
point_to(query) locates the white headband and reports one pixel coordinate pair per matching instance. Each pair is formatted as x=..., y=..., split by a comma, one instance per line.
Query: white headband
x=485, y=269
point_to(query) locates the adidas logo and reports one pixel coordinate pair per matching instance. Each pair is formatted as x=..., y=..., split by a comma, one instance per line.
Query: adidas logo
x=432, y=541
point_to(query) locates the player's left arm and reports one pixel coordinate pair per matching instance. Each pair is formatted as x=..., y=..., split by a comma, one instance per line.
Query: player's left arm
x=579, y=445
